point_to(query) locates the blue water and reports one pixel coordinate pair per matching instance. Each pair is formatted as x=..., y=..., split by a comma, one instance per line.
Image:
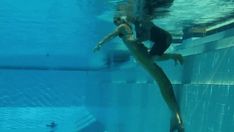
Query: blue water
x=48, y=72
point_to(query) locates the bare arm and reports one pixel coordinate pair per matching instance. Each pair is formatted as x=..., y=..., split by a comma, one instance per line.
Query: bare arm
x=107, y=38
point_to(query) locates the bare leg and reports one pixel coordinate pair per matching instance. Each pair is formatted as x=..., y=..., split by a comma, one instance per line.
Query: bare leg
x=166, y=89
x=176, y=123
x=169, y=96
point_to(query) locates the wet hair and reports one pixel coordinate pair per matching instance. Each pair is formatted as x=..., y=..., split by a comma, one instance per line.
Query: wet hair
x=123, y=21
x=115, y=19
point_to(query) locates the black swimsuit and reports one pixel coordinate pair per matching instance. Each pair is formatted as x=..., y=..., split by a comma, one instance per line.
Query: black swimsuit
x=161, y=38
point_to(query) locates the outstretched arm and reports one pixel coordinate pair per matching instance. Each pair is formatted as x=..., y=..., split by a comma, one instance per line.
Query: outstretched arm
x=106, y=39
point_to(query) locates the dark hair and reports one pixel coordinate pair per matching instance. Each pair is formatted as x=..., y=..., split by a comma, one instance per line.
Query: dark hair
x=115, y=19
x=122, y=20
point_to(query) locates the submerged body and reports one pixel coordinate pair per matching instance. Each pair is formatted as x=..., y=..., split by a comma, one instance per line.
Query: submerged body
x=141, y=55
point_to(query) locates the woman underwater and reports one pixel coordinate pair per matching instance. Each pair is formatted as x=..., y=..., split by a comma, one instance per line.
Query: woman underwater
x=137, y=49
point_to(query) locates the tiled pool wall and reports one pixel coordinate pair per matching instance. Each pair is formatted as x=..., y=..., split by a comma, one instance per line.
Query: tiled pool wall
x=127, y=99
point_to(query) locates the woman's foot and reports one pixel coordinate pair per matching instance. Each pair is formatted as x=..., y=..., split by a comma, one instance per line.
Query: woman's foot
x=176, y=124
x=178, y=58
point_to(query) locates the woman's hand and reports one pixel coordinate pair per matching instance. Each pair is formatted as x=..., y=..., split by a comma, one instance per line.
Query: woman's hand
x=97, y=48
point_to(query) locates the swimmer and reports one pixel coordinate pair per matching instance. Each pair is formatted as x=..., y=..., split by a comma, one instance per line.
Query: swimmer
x=137, y=49
x=146, y=30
